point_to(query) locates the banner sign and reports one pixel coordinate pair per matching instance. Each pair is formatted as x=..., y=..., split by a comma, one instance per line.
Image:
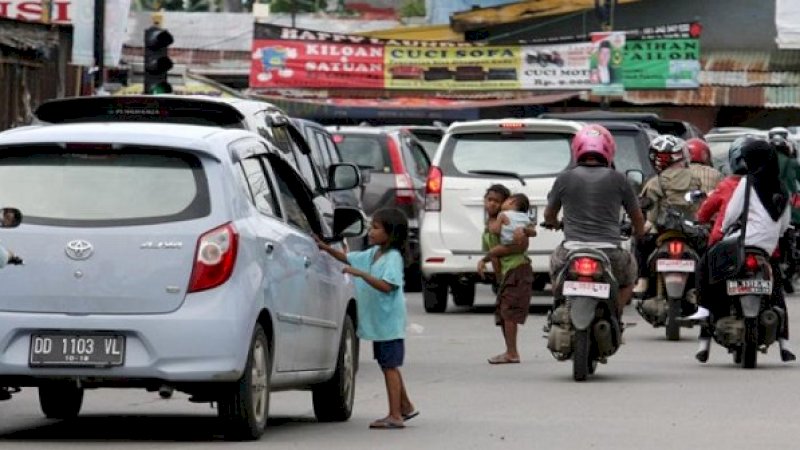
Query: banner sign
x=661, y=64
x=292, y=58
x=605, y=63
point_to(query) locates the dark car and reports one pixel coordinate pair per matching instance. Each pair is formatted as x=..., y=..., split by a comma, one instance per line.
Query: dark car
x=682, y=129
x=398, y=169
x=633, y=143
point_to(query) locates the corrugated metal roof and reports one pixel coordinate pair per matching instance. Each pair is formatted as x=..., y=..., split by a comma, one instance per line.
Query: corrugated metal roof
x=761, y=97
x=730, y=78
x=750, y=61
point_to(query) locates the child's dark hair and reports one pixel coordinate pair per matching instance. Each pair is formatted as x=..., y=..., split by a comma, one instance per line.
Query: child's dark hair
x=522, y=202
x=395, y=223
x=498, y=189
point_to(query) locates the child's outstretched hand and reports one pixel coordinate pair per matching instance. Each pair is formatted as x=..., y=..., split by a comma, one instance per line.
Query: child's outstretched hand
x=320, y=243
x=353, y=271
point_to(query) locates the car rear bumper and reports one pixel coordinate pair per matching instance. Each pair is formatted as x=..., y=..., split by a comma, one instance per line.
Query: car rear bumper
x=467, y=263
x=203, y=341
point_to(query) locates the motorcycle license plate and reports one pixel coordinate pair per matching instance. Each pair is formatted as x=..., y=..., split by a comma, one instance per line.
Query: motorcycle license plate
x=675, y=265
x=586, y=289
x=749, y=287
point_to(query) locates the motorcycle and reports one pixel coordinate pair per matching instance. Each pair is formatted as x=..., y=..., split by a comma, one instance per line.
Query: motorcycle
x=752, y=323
x=584, y=325
x=673, y=265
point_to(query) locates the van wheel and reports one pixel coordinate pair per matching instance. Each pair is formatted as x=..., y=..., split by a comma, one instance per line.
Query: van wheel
x=434, y=294
x=333, y=400
x=244, y=406
x=60, y=399
x=463, y=293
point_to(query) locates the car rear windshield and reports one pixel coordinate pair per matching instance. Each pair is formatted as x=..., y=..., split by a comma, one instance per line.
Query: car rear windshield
x=81, y=187
x=525, y=154
x=364, y=150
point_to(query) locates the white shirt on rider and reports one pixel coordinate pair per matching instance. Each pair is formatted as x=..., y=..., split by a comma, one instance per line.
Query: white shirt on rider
x=761, y=232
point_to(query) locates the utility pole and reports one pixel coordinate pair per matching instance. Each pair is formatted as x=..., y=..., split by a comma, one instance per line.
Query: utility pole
x=294, y=11
x=99, y=44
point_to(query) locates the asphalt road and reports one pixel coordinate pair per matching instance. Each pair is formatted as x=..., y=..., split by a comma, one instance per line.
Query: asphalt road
x=652, y=394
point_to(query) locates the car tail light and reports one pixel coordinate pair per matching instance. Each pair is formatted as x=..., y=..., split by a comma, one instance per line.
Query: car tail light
x=403, y=186
x=433, y=190
x=675, y=249
x=338, y=138
x=214, y=258
x=585, y=267
x=751, y=262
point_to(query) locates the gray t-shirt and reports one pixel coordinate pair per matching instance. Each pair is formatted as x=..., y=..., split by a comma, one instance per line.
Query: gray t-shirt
x=591, y=198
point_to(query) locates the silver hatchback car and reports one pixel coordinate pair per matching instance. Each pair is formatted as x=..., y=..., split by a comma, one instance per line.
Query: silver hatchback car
x=172, y=257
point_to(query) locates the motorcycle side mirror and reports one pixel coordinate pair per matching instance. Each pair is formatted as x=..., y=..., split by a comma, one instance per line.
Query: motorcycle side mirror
x=635, y=176
x=695, y=196
x=12, y=217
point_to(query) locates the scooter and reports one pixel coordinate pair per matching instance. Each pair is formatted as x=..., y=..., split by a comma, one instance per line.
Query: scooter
x=673, y=264
x=752, y=323
x=584, y=326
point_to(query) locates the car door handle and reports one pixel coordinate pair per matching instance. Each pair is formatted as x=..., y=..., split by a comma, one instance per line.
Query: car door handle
x=269, y=247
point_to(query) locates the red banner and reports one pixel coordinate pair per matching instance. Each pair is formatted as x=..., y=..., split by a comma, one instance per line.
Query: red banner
x=297, y=64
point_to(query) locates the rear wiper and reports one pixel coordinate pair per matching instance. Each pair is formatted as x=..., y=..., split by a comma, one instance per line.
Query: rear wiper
x=500, y=173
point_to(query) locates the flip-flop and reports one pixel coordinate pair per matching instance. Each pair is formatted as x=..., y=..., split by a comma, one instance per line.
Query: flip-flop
x=502, y=359
x=410, y=415
x=386, y=424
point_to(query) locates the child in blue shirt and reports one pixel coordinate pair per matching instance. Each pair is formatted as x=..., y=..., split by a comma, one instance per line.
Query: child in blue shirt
x=381, y=306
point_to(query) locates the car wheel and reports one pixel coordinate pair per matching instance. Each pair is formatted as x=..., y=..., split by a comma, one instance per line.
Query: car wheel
x=434, y=294
x=333, y=400
x=244, y=406
x=463, y=292
x=60, y=399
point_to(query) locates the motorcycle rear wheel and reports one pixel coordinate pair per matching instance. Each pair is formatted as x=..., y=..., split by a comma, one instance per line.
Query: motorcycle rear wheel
x=750, y=347
x=673, y=326
x=580, y=356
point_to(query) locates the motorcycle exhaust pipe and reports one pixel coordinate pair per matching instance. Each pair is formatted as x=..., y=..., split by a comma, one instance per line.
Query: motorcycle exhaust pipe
x=770, y=321
x=602, y=335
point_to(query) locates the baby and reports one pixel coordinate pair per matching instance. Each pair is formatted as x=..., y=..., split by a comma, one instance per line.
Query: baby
x=513, y=215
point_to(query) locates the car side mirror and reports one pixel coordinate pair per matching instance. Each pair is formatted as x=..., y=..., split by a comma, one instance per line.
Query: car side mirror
x=12, y=217
x=343, y=176
x=348, y=222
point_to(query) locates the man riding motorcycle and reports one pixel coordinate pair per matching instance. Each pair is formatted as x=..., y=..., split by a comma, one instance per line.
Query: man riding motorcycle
x=790, y=176
x=670, y=158
x=592, y=194
x=700, y=165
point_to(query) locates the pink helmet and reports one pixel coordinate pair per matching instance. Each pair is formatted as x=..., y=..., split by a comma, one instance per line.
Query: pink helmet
x=593, y=140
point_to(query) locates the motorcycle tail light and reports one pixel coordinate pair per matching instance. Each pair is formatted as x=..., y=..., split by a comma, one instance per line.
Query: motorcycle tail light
x=751, y=263
x=585, y=266
x=675, y=249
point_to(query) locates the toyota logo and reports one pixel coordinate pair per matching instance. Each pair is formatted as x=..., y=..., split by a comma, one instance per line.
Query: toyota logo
x=79, y=249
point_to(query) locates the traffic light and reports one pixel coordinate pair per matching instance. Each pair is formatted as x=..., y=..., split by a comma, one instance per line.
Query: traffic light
x=156, y=60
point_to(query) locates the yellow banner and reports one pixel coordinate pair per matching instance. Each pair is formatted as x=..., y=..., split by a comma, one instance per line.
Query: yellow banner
x=484, y=68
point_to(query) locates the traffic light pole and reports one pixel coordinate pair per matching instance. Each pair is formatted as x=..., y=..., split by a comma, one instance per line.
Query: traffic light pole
x=99, y=44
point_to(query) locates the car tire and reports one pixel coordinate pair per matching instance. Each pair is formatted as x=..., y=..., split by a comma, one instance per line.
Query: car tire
x=244, y=405
x=61, y=399
x=333, y=400
x=463, y=292
x=434, y=294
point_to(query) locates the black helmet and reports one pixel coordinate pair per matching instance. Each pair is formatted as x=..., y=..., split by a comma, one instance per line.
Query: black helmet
x=780, y=140
x=736, y=154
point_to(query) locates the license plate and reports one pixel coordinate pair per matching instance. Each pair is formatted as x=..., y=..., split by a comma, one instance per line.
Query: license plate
x=77, y=350
x=750, y=287
x=675, y=265
x=586, y=289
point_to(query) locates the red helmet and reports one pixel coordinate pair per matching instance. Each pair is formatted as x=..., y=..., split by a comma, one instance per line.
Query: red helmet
x=593, y=140
x=699, y=151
